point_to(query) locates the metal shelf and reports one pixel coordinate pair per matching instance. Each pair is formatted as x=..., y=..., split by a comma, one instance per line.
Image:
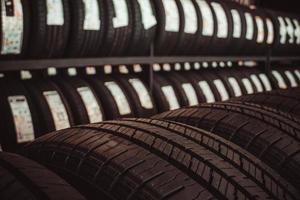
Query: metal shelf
x=14, y=65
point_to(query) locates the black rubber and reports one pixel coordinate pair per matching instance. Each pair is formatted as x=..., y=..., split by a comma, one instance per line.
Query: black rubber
x=22, y=178
x=273, y=141
x=151, y=159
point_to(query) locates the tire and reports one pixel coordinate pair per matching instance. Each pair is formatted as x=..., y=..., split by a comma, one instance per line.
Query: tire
x=48, y=41
x=24, y=36
x=22, y=178
x=152, y=159
x=83, y=101
x=277, y=146
x=85, y=39
x=55, y=112
x=13, y=92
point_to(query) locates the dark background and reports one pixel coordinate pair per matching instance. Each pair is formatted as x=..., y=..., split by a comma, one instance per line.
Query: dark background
x=282, y=5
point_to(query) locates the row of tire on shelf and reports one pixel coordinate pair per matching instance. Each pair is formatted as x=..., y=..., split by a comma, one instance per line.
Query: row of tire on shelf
x=244, y=148
x=79, y=28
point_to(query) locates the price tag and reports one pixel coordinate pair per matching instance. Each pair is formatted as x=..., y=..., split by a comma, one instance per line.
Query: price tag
x=190, y=93
x=170, y=96
x=222, y=90
x=270, y=27
x=283, y=30
x=142, y=93
x=250, y=26
x=190, y=17
x=246, y=82
x=237, y=24
x=207, y=18
x=55, y=13
x=121, y=18
x=119, y=97
x=22, y=118
x=209, y=96
x=58, y=110
x=279, y=79
x=260, y=30
x=92, y=15
x=11, y=27
x=291, y=78
x=290, y=30
x=172, y=16
x=148, y=17
x=235, y=86
x=265, y=80
x=221, y=20
x=257, y=83
x=91, y=105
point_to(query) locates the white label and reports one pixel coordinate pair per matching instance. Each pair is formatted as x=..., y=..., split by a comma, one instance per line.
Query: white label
x=207, y=18
x=121, y=11
x=190, y=93
x=190, y=17
x=55, y=13
x=221, y=20
x=12, y=29
x=142, y=93
x=91, y=105
x=210, y=98
x=171, y=97
x=248, y=86
x=22, y=118
x=172, y=16
x=237, y=23
x=222, y=90
x=235, y=86
x=270, y=27
x=123, y=69
x=283, y=30
x=291, y=78
x=250, y=26
x=58, y=110
x=119, y=97
x=92, y=15
x=166, y=67
x=290, y=30
x=156, y=67
x=257, y=83
x=260, y=29
x=148, y=17
x=297, y=31
x=107, y=69
x=279, y=79
x=137, y=68
x=297, y=72
x=187, y=66
x=265, y=80
x=177, y=66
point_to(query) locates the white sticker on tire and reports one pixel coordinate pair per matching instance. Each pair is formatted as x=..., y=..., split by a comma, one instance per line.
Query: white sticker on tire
x=222, y=20
x=148, y=17
x=270, y=27
x=190, y=17
x=58, y=110
x=237, y=23
x=260, y=30
x=119, y=97
x=207, y=18
x=121, y=18
x=172, y=16
x=190, y=94
x=22, y=118
x=290, y=30
x=170, y=96
x=291, y=78
x=257, y=83
x=250, y=26
x=235, y=86
x=92, y=15
x=297, y=31
x=91, y=105
x=297, y=72
x=209, y=96
x=142, y=93
x=11, y=27
x=265, y=80
x=283, y=30
x=279, y=79
x=55, y=13
x=221, y=89
x=246, y=82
